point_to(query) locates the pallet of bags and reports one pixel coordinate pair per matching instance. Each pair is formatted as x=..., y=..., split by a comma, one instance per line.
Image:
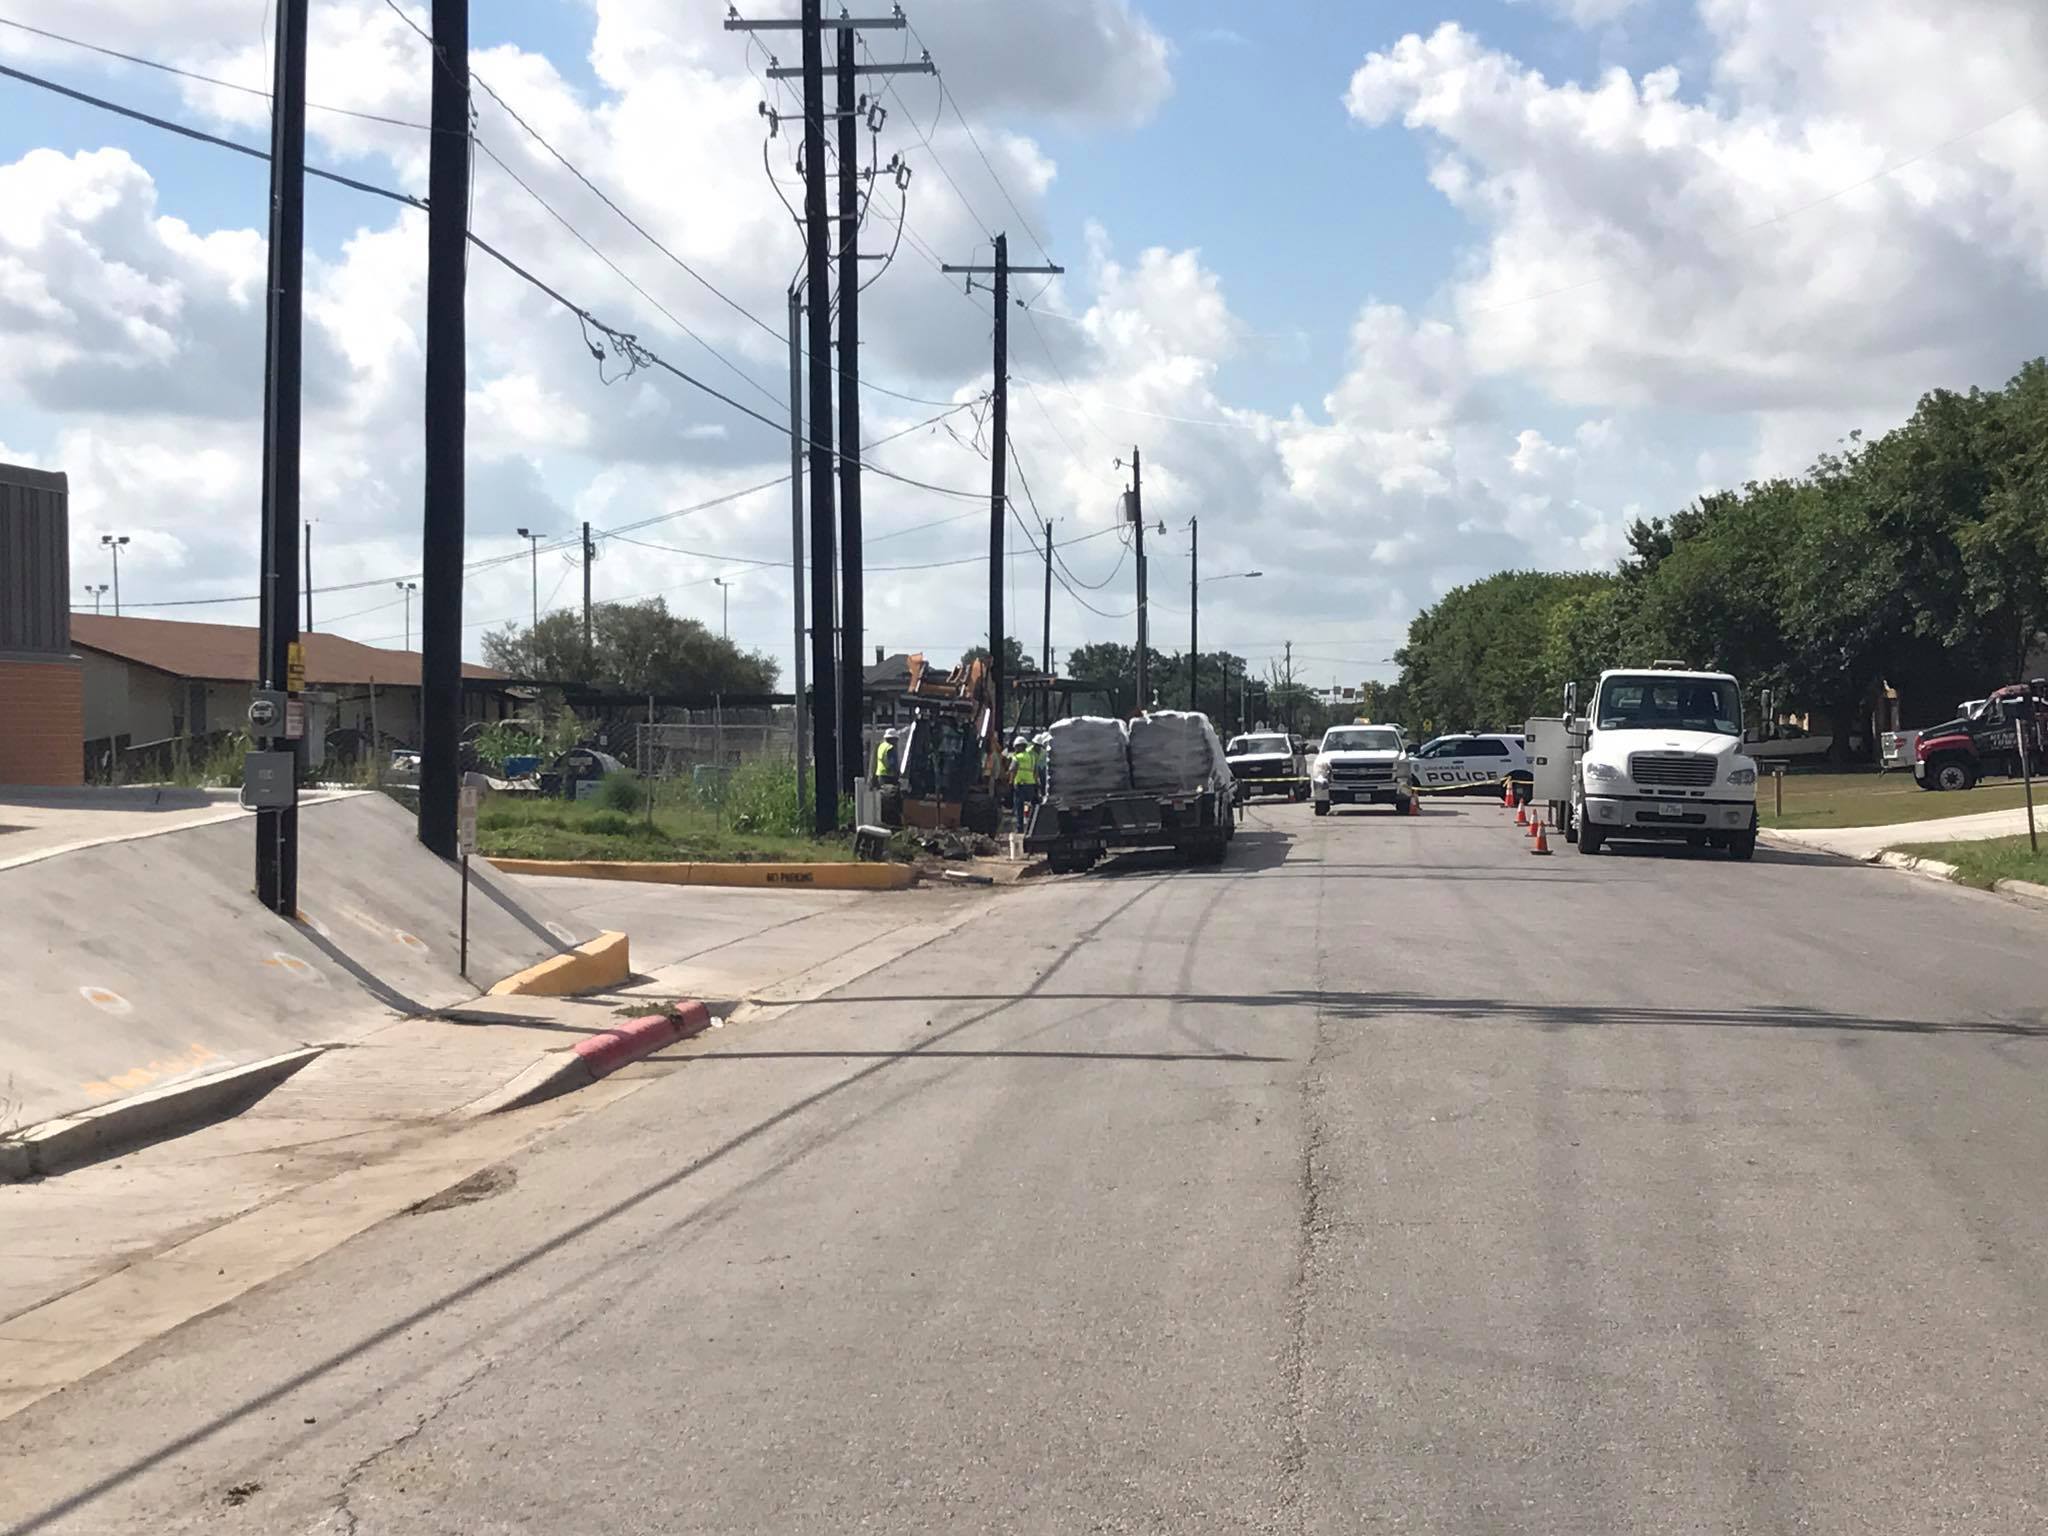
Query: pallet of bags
x=1174, y=752
x=1087, y=759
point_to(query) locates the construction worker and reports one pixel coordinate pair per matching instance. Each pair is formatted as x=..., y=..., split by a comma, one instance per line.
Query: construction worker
x=1024, y=762
x=885, y=757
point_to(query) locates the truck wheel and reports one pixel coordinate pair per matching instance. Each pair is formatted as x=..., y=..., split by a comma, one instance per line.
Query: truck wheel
x=1590, y=838
x=1571, y=823
x=1300, y=792
x=1953, y=773
x=1742, y=846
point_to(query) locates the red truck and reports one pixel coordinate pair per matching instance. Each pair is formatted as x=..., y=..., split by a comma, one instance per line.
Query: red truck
x=1955, y=755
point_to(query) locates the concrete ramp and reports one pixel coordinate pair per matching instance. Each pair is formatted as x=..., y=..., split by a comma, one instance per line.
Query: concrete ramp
x=128, y=965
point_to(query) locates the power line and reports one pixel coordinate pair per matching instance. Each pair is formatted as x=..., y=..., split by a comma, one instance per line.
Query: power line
x=638, y=228
x=214, y=80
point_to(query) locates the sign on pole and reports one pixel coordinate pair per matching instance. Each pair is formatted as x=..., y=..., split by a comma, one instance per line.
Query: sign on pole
x=295, y=668
x=466, y=802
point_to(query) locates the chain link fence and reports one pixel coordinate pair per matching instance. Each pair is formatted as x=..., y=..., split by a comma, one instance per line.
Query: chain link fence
x=706, y=746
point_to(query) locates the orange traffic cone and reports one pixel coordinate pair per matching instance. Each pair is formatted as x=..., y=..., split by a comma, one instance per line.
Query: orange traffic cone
x=1507, y=795
x=1521, y=816
x=1535, y=826
x=1542, y=843
x=1414, y=803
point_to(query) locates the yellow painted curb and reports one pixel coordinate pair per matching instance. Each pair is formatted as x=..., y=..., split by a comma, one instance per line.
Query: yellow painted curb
x=816, y=877
x=603, y=962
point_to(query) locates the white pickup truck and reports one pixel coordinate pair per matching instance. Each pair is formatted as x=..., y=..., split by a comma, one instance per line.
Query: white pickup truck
x=1658, y=757
x=1362, y=765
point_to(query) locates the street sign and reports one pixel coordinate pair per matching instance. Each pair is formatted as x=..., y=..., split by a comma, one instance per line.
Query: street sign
x=294, y=718
x=466, y=802
x=295, y=668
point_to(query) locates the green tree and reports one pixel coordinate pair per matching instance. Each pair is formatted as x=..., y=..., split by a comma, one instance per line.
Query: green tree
x=636, y=648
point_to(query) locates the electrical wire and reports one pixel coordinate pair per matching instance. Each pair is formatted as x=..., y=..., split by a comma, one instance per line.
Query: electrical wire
x=214, y=80
x=638, y=228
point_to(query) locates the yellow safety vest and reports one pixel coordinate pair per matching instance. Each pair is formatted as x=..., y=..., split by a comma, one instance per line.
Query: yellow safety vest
x=1026, y=768
x=885, y=759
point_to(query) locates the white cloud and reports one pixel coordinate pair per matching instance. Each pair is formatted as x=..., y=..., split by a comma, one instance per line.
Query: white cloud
x=1832, y=252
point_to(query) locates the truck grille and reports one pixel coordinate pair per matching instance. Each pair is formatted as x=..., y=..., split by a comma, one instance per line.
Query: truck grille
x=1673, y=770
x=1245, y=770
x=1361, y=772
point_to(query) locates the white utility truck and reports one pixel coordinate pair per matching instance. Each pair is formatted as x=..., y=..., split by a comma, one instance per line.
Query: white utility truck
x=1657, y=757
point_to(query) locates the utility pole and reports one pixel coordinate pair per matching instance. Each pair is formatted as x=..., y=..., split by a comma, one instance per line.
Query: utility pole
x=448, y=168
x=96, y=591
x=1194, y=609
x=277, y=831
x=408, y=588
x=796, y=518
x=852, y=674
x=724, y=607
x=999, y=463
x=309, y=578
x=533, y=548
x=1045, y=660
x=589, y=555
x=1137, y=514
x=836, y=672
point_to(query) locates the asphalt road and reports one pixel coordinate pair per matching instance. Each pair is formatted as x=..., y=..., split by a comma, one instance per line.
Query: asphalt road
x=1385, y=1179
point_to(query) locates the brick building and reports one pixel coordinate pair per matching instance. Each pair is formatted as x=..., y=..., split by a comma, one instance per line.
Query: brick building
x=41, y=686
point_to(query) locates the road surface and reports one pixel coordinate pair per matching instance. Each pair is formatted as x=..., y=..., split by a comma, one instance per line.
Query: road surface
x=1386, y=1179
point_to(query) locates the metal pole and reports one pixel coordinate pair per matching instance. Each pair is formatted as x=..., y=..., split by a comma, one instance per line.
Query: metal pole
x=2026, y=730
x=441, y=543
x=1194, y=605
x=796, y=523
x=309, y=578
x=852, y=674
x=463, y=968
x=277, y=832
x=817, y=240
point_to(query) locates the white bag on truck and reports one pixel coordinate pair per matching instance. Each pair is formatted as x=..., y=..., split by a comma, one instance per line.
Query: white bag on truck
x=1175, y=753
x=1087, y=759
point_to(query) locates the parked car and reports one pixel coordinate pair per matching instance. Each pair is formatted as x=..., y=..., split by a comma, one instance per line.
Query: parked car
x=1267, y=763
x=1482, y=761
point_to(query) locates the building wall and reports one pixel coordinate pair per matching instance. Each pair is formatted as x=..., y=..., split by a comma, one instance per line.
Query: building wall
x=41, y=699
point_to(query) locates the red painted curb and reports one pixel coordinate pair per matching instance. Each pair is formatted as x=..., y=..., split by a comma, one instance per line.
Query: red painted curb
x=605, y=1053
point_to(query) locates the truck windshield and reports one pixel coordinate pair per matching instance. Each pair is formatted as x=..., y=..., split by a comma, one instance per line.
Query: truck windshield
x=1670, y=703
x=1245, y=745
x=1361, y=741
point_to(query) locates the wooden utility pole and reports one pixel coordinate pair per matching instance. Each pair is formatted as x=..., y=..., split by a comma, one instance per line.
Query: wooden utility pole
x=277, y=831
x=589, y=649
x=447, y=392
x=1137, y=514
x=835, y=681
x=1045, y=657
x=852, y=674
x=1194, y=610
x=999, y=463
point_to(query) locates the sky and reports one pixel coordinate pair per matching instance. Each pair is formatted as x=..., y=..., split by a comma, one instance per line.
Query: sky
x=1390, y=294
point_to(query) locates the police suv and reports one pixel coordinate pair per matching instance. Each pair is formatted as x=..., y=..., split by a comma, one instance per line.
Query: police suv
x=1453, y=762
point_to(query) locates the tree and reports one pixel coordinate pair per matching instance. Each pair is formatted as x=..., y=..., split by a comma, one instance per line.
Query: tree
x=1113, y=670
x=1017, y=662
x=637, y=648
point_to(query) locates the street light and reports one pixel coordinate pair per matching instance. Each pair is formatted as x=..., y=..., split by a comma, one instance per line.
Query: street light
x=408, y=588
x=724, y=606
x=534, y=539
x=95, y=591
x=112, y=544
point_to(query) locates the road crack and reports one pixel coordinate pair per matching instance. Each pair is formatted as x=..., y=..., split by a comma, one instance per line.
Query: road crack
x=1312, y=1236
x=342, y=1511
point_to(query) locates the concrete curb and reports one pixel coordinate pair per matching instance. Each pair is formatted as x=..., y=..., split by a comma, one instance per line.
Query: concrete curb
x=817, y=877
x=606, y=961
x=1933, y=868
x=595, y=1057
x=57, y=1144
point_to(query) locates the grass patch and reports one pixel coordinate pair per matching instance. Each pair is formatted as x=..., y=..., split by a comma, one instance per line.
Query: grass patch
x=528, y=827
x=1984, y=864
x=1874, y=800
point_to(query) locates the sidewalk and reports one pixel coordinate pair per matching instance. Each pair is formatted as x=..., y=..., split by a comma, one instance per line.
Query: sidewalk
x=99, y=1260
x=1868, y=842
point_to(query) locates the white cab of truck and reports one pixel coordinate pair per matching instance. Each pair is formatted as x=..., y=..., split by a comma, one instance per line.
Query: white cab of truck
x=1361, y=765
x=1659, y=758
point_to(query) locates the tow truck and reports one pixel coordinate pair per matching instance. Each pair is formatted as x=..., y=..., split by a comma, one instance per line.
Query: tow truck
x=1985, y=741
